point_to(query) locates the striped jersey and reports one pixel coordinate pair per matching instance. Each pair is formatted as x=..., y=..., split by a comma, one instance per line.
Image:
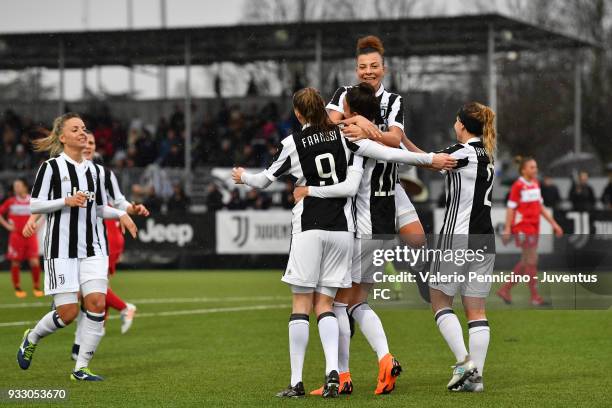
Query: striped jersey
x=115, y=198
x=375, y=200
x=468, y=190
x=316, y=158
x=70, y=232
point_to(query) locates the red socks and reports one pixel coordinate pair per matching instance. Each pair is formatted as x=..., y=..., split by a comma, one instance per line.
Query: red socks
x=114, y=301
x=15, y=275
x=36, y=276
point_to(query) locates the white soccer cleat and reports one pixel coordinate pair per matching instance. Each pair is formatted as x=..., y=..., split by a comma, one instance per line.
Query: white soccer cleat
x=127, y=317
x=473, y=384
x=461, y=372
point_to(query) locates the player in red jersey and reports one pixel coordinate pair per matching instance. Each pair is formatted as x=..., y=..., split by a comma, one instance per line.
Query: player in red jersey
x=523, y=221
x=20, y=248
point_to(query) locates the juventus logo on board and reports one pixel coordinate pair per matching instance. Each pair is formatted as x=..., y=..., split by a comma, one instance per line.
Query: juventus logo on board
x=242, y=230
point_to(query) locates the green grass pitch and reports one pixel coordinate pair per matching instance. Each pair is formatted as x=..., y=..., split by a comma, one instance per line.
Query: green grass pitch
x=220, y=339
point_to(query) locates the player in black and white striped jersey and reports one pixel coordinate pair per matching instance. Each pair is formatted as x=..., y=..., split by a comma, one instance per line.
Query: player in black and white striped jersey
x=68, y=189
x=322, y=239
x=389, y=209
x=467, y=225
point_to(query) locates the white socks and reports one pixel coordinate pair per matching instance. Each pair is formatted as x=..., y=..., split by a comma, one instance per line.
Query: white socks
x=298, y=341
x=91, y=333
x=328, y=332
x=480, y=334
x=344, y=336
x=78, y=334
x=449, y=326
x=45, y=326
x=371, y=327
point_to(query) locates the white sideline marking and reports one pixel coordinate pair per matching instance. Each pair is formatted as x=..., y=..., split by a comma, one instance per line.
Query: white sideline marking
x=159, y=301
x=175, y=313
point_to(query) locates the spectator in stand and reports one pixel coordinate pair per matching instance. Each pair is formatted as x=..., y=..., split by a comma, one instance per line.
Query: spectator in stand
x=214, y=199
x=581, y=194
x=606, y=197
x=179, y=202
x=235, y=202
x=175, y=157
x=153, y=202
x=550, y=193
x=257, y=200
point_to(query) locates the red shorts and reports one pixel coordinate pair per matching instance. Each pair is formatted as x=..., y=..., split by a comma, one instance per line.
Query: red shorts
x=21, y=248
x=526, y=237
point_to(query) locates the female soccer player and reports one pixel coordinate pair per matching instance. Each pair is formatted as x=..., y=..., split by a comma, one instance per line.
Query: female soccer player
x=523, y=221
x=321, y=246
x=20, y=248
x=68, y=189
x=388, y=209
x=467, y=225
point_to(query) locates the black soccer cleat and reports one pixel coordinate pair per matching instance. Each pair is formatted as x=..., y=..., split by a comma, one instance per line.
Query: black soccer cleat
x=297, y=391
x=332, y=384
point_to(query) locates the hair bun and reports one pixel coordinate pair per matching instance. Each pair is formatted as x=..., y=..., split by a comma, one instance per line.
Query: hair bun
x=370, y=42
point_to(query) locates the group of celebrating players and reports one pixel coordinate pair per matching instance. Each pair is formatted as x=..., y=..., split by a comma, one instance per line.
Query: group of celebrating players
x=345, y=162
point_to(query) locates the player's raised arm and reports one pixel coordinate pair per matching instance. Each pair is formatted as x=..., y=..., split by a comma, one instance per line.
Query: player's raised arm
x=281, y=165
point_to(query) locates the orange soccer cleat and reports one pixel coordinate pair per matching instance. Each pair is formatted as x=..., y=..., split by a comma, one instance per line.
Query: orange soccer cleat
x=37, y=292
x=20, y=293
x=388, y=371
x=346, y=385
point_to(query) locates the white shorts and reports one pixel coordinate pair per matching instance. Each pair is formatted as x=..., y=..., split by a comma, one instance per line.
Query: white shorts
x=320, y=258
x=405, y=213
x=65, y=275
x=470, y=287
x=362, y=267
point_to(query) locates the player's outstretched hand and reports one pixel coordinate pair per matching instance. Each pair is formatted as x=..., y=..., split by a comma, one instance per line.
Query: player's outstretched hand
x=139, y=209
x=10, y=227
x=558, y=230
x=126, y=223
x=77, y=200
x=299, y=193
x=368, y=127
x=237, y=175
x=30, y=228
x=442, y=161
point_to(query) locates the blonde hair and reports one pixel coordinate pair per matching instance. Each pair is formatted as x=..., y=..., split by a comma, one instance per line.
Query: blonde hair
x=486, y=116
x=51, y=143
x=310, y=104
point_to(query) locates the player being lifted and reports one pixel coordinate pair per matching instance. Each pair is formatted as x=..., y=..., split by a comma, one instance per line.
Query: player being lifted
x=389, y=209
x=467, y=224
x=322, y=240
x=68, y=189
x=523, y=221
x=20, y=247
